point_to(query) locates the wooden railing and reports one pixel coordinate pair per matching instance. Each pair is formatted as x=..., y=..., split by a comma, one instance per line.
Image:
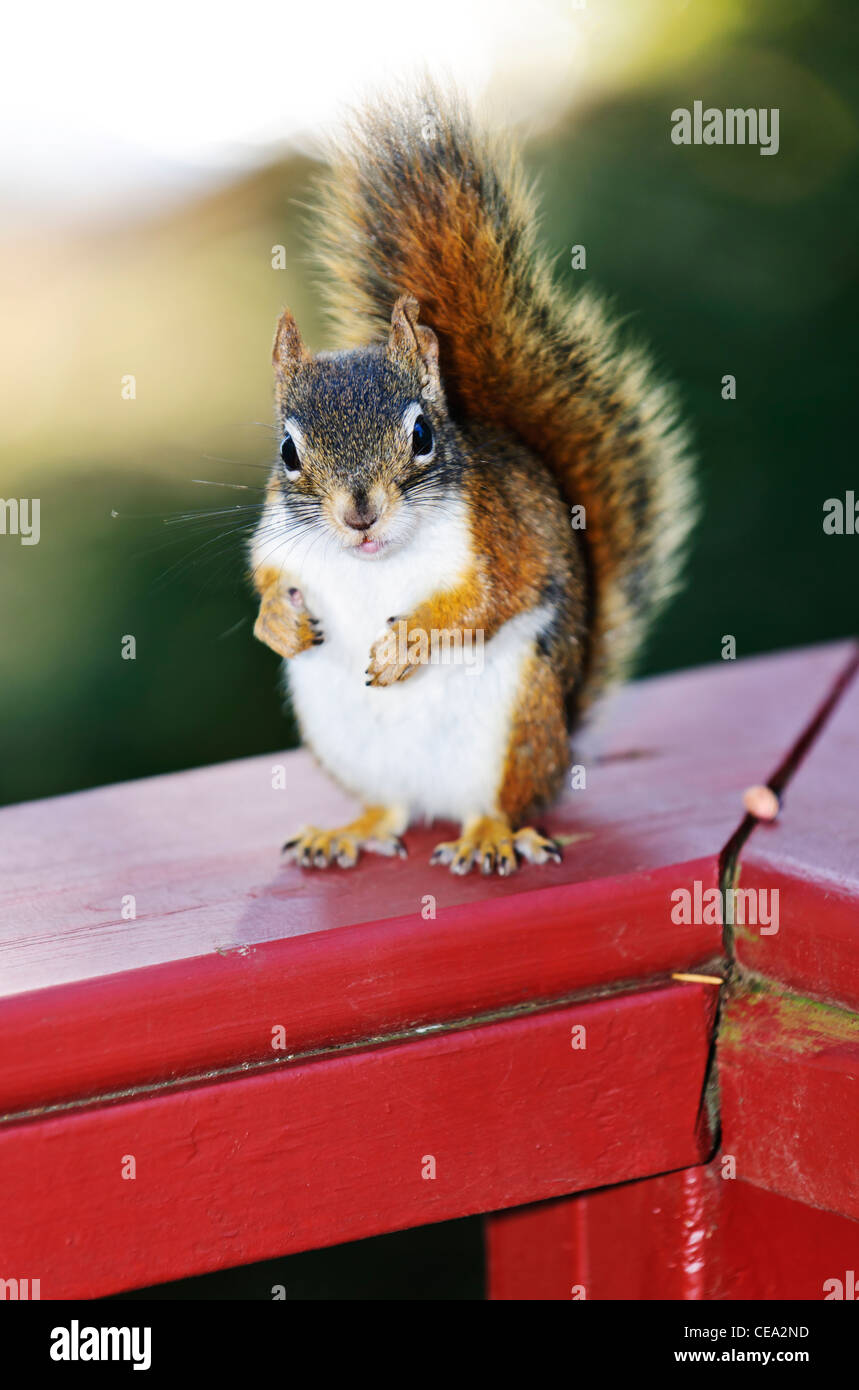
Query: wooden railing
x=209, y=1058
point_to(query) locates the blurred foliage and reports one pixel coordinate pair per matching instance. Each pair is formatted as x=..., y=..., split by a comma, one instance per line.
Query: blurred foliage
x=723, y=260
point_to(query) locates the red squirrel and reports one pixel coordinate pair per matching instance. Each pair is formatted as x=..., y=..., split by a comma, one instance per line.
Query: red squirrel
x=480, y=457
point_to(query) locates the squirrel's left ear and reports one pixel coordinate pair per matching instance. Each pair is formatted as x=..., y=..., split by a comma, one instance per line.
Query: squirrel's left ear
x=289, y=351
x=417, y=345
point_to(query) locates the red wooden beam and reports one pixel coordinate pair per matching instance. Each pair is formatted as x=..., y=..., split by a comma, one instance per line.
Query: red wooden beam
x=789, y=1072
x=788, y=1059
x=188, y=1017
x=691, y=1235
x=316, y=1153
x=227, y=942
x=789, y=1082
x=409, y=1032
x=810, y=858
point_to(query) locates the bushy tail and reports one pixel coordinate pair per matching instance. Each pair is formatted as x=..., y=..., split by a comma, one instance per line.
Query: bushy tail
x=419, y=200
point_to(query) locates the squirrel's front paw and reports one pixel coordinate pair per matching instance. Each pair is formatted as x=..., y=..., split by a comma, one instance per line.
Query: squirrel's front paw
x=395, y=656
x=285, y=625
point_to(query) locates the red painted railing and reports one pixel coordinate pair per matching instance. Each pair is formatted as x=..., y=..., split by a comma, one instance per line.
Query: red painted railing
x=294, y=1059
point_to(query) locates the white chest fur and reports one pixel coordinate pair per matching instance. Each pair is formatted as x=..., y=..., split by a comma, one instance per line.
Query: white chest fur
x=435, y=743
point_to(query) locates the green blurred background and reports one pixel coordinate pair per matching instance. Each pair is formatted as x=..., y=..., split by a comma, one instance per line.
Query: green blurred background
x=723, y=260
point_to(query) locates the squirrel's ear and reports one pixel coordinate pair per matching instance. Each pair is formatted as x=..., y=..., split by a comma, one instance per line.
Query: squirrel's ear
x=289, y=351
x=413, y=342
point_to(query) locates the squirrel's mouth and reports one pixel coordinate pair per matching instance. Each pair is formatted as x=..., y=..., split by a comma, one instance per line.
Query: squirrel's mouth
x=368, y=546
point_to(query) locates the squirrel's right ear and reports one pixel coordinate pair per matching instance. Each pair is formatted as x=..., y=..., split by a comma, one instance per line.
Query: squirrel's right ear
x=289, y=351
x=414, y=342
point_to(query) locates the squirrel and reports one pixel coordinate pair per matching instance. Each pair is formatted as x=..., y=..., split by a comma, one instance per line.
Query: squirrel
x=427, y=474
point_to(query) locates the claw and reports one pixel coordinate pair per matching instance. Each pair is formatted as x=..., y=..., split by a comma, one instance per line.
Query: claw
x=312, y=848
x=536, y=847
x=490, y=843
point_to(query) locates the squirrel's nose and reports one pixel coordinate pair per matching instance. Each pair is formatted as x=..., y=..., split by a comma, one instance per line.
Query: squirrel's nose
x=359, y=519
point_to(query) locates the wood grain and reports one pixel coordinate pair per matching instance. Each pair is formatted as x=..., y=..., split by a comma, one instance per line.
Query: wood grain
x=227, y=943
x=321, y=1152
x=810, y=856
x=789, y=1082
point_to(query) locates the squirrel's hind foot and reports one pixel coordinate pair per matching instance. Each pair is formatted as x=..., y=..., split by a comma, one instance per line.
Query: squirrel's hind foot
x=490, y=842
x=376, y=830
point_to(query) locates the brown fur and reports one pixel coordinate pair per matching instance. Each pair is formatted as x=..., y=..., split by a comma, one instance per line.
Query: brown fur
x=534, y=409
x=538, y=751
x=420, y=201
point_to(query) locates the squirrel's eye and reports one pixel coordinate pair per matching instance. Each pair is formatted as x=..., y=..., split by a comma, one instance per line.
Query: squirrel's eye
x=289, y=454
x=422, y=436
